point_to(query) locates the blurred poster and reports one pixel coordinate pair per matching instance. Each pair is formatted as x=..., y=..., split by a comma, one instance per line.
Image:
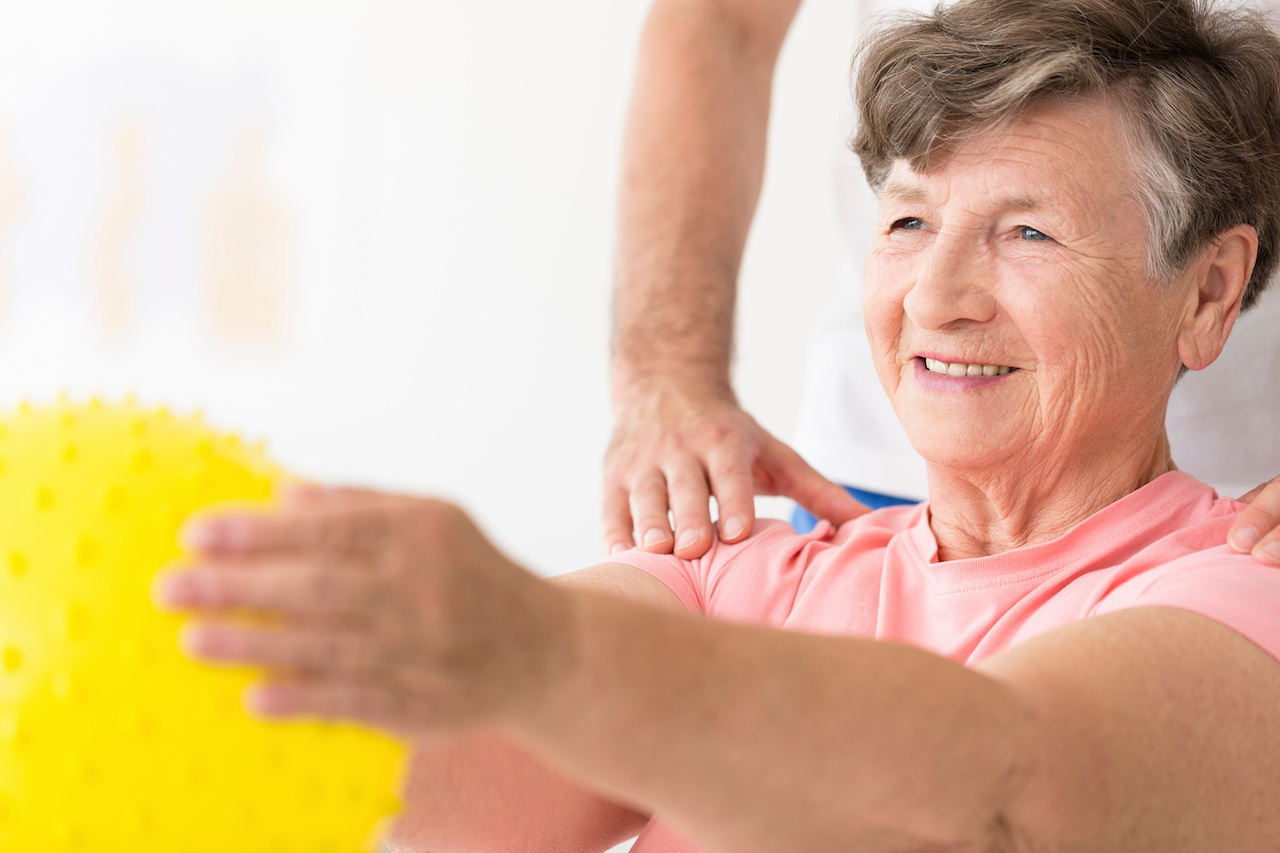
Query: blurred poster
x=150, y=208
x=169, y=180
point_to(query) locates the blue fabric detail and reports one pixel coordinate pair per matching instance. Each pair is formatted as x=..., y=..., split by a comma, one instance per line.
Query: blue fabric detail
x=803, y=520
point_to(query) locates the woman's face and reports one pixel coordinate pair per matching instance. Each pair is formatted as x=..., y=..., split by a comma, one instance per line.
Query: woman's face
x=1019, y=261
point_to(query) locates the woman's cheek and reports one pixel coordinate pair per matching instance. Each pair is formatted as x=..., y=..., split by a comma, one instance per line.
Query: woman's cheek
x=884, y=284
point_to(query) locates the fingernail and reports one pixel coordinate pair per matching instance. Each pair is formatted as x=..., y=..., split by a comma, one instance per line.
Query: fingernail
x=1244, y=539
x=616, y=547
x=655, y=536
x=170, y=592
x=1271, y=551
x=731, y=529
x=267, y=700
x=688, y=538
x=199, y=535
x=189, y=639
x=256, y=700
x=300, y=491
x=295, y=490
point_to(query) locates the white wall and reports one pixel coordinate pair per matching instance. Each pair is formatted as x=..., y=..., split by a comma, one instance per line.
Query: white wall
x=441, y=177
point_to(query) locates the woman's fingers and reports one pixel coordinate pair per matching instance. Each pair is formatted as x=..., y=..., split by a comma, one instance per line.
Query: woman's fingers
x=426, y=612
x=314, y=589
x=340, y=523
x=300, y=493
x=1257, y=530
x=328, y=699
x=295, y=649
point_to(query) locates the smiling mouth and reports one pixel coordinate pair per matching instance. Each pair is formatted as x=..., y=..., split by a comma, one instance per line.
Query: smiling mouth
x=960, y=368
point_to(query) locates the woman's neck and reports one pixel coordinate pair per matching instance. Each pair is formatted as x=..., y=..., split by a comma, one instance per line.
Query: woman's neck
x=976, y=513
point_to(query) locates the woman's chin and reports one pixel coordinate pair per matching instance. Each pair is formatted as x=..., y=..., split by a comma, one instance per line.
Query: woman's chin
x=961, y=449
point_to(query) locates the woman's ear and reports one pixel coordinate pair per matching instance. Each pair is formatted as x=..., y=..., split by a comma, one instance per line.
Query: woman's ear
x=1219, y=280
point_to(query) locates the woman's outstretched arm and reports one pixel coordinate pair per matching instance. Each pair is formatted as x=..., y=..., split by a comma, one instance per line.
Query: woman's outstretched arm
x=480, y=791
x=1147, y=729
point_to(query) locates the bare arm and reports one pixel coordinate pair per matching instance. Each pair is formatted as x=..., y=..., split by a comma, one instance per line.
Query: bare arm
x=692, y=170
x=1140, y=731
x=480, y=791
x=1148, y=729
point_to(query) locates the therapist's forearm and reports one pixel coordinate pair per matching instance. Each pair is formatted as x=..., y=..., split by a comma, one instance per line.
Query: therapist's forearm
x=693, y=164
x=748, y=739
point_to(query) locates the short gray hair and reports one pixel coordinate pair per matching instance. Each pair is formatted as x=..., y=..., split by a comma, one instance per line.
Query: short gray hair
x=1199, y=86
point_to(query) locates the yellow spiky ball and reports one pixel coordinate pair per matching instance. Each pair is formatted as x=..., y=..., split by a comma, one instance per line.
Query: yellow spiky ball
x=111, y=740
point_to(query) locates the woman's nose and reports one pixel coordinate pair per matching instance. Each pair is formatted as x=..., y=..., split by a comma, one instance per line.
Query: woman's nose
x=953, y=284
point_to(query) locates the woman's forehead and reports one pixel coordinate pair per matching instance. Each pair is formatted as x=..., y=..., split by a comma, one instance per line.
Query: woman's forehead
x=1058, y=155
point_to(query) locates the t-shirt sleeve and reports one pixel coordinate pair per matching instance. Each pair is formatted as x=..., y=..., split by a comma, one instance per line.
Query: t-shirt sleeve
x=1231, y=589
x=754, y=580
x=680, y=576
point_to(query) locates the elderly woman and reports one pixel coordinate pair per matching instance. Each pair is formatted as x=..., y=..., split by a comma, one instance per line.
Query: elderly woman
x=1054, y=653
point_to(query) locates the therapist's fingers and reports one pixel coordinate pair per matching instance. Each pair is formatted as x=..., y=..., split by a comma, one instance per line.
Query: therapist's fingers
x=795, y=478
x=690, y=498
x=616, y=513
x=649, y=507
x=729, y=470
x=1255, y=530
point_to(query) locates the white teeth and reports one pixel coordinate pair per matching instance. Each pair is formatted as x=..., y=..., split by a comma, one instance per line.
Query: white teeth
x=959, y=368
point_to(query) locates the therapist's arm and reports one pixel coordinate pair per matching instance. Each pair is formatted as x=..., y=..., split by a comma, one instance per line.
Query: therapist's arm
x=693, y=163
x=1149, y=729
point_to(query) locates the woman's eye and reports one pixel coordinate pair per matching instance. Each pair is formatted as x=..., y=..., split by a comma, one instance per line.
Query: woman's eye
x=1026, y=232
x=909, y=223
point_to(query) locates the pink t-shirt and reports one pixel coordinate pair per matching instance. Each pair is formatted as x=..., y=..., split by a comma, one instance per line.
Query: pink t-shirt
x=878, y=577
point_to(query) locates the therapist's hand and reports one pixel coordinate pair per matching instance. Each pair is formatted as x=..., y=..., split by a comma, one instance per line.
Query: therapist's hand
x=674, y=451
x=389, y=611
x=1257, y=529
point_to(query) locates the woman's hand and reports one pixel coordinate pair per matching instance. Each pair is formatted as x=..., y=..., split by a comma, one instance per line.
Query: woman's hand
x=675, y=452
x=391, y=611
x=1257, y=530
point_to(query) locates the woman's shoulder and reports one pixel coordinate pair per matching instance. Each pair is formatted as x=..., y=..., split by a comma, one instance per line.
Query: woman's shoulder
x=1191, y=568
x=760, y=578
x=1172, y=516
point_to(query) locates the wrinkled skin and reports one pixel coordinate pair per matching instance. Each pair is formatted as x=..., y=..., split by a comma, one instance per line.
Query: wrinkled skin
x=365, y=627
